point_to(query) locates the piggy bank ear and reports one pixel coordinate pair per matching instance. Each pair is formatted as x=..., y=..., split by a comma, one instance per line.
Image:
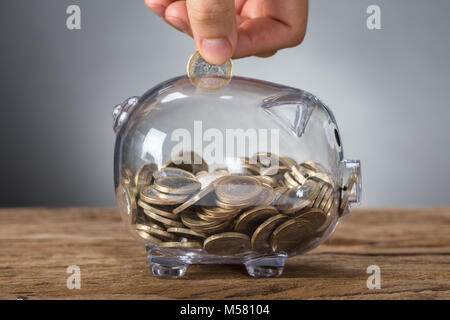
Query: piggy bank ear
x=122, y=111
x=291, y=110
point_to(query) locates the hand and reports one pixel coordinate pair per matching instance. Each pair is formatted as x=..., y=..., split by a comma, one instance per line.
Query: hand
x=224, y=29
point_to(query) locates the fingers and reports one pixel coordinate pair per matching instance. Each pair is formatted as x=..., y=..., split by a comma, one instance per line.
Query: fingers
x=213, y=25
x=282, y=25
x=174, y=12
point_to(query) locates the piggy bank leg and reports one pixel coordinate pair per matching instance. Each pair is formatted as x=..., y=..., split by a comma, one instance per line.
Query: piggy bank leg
x=266, y=267
x=165, y=266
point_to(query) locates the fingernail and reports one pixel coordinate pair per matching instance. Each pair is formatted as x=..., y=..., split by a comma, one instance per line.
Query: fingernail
x=216, y=51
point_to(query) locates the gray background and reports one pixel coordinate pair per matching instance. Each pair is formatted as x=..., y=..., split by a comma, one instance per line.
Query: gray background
x=388, y=90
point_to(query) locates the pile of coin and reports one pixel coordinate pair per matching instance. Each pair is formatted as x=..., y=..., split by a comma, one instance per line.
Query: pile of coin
x=269, y=204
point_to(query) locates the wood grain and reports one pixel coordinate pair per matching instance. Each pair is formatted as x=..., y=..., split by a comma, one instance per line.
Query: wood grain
x=412, y=248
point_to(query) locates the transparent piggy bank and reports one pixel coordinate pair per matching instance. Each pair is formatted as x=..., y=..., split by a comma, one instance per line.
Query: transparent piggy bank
x=250, y=173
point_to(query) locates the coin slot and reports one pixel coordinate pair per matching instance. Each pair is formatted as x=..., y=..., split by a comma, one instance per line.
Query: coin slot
x=337, y=137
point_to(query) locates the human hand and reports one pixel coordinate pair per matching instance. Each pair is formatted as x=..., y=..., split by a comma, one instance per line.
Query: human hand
x=224, y=29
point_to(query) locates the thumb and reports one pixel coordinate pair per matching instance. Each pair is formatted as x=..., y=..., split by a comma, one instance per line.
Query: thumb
x=213, y=24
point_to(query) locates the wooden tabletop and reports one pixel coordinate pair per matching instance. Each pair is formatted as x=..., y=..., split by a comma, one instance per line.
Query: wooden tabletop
x=411, y=248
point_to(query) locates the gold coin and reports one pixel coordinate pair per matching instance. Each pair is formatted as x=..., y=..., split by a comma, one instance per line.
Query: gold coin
x=127, y=176
x=238, y=190
x=187, y=233
x=142, y=227
x=297, y=199
x=161, y=234
x=253, y=218
x=326, y=197
x=192, y=220
x=206, y=178
x=207, y=76
x=228, y=243
x=188, y=161
x=316, y=217
x=162, y=213
x=215, y=228
x=298, y=174
x=194, y=199
x=267, y=180
x=172, y=172
x=218, y=211
x=237, y=206
x=144, y=235
x=126, y=198
x=144, y=175
x=217, y=217
x=266, y=197
x=322, y=177
x=164, y=221
x=310, y=165
x=290, y=181
x=291, y=236
x=328, y=205
x=351, y=181
x=323, y=189
x=181, y=245
x=265, y=159
x=177, y=185
x=153, y=196
x=261, y=237
x=287, y=162
x=170, y=197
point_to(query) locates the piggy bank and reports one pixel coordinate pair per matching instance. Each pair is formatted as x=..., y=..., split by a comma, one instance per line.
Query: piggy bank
x=249, y=173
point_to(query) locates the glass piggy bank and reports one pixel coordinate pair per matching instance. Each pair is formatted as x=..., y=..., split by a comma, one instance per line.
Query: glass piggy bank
x=249, y=172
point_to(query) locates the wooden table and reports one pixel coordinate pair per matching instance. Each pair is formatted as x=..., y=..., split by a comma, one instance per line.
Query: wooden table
x=411, y=247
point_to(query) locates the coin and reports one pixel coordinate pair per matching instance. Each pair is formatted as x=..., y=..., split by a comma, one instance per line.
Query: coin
x=163, y=220
x=207, y=76
x=193, y=221
x=253, y=218
x=194, y=199
x=297, y=199
x=323, y=189
x=188, y=161
x=206, y=178
x=326, y=197
x=267, y=180
x=298, y=174
x=287, y=162
x=181, y=245
x=260, y=240
x=127, y=199
x=144, y=235
x=172, y=172
x=315, y=216
x=187, y=233
x=161, y=234
x=228, y=243
x=290, y=181
x=351, y=181
x=144, y=175
x=310, y=165
x=266, y=197
x=177, y=185
x=169, y=197
x=127, y=176
x=150, y=195
x=161, y=212
x=291, y=236
x=237, y=190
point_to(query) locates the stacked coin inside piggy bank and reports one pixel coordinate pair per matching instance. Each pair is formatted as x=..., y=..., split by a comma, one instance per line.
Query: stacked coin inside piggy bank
x=249, y=172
